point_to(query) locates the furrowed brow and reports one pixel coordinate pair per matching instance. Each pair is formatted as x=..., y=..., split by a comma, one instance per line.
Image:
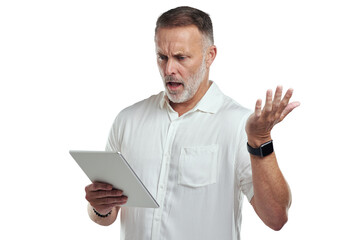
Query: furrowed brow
x=180, y=53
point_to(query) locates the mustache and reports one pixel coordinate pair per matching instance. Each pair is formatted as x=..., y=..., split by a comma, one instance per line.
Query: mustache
x=171, y=78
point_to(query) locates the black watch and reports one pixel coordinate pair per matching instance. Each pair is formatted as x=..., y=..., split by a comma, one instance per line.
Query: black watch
x=264, y=150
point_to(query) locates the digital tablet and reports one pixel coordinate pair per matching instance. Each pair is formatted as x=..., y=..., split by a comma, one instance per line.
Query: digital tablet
x=112, y=168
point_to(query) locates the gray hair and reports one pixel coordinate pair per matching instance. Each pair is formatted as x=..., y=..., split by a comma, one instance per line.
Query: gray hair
x=185, y=16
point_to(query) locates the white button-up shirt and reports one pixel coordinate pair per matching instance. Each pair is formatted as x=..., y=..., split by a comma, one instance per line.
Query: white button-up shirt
x=196, y=166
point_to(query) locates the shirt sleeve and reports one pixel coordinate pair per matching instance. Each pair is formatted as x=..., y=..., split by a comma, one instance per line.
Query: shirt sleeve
x=243, y=164
x=114, y=139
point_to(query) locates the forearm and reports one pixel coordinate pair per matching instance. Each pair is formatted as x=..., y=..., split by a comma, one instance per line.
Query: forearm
x=272, y=196
x=106, y=221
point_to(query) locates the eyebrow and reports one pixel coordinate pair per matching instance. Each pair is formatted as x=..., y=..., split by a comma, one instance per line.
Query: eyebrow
x=178, y=53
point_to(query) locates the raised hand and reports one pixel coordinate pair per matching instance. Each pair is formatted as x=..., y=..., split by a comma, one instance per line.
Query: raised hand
x=262, y=121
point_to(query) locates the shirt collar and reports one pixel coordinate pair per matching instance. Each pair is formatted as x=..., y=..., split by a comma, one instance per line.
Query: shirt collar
x=209, y=103
x=164, y=100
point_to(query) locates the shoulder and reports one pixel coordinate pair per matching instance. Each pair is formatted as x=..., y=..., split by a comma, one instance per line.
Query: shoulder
x=233, y=110
x=140, y=109
x=234, y=118
x=150, y=103
x=225, y=107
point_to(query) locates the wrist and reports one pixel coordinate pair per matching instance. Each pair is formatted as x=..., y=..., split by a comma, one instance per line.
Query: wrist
x=256, y=142
x=101, y=215
x=92, y=211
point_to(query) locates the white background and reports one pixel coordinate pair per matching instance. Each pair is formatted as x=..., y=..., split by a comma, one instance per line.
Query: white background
x=68, y=67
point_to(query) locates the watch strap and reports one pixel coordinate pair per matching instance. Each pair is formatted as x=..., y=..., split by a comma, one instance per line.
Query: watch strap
x=262, y=151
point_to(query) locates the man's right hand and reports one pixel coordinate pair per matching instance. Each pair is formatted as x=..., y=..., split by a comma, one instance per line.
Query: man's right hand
x=103, y=197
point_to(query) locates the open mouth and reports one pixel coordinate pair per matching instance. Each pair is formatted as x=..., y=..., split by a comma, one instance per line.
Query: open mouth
x=173, y=85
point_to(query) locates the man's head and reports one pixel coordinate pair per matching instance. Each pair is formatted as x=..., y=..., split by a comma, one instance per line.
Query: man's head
x=186, y=16
x=185, y=50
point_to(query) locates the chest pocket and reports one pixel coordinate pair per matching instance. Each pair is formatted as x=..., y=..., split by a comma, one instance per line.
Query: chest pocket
x=198, y=166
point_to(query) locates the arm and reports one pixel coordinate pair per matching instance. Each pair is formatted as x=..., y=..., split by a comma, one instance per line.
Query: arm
x=272, y=196
x=104, y=199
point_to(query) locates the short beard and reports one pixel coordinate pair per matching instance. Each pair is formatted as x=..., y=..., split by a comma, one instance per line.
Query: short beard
x=190, y=88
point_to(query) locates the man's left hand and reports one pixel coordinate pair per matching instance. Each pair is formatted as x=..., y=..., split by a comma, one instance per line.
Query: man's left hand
x=261, y=122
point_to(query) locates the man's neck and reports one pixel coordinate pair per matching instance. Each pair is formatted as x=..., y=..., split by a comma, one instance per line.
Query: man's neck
x=182, y=108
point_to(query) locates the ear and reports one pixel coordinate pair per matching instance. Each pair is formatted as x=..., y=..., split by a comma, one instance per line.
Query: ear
x=210, y=55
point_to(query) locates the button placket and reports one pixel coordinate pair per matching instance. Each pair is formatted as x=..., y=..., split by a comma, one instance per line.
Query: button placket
x=162, y=185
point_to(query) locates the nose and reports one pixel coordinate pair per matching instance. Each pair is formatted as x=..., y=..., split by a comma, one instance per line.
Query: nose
x=170, y=67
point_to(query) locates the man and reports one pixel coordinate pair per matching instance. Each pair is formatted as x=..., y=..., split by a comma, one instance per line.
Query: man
x=190, y=147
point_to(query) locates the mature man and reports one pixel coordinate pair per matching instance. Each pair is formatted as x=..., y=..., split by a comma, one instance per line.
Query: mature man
x=190, y=145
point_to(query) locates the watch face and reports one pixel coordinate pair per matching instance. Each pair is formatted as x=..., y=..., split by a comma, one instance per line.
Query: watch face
x=267, y=148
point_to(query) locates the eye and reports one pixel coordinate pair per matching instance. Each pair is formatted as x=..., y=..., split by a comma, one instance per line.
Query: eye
x=162, y=57
x=180, y=58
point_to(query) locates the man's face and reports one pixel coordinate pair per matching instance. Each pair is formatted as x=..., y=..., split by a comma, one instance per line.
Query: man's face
x=181, y=61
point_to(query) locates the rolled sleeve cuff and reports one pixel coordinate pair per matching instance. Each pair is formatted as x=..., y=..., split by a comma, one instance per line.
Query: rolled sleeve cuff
x=248, y=190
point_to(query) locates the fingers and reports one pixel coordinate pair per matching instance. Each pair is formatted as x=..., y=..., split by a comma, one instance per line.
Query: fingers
x=287, y=97
x=101, y=190
x=283, y=109
x=258, y=108
x=288, y=109
x=103, y=197
x=272, y=105
x=268, y=103
x=105, y=194
x=277, y=98
x=109, y=201
x=276, y=108
x=96, y=186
